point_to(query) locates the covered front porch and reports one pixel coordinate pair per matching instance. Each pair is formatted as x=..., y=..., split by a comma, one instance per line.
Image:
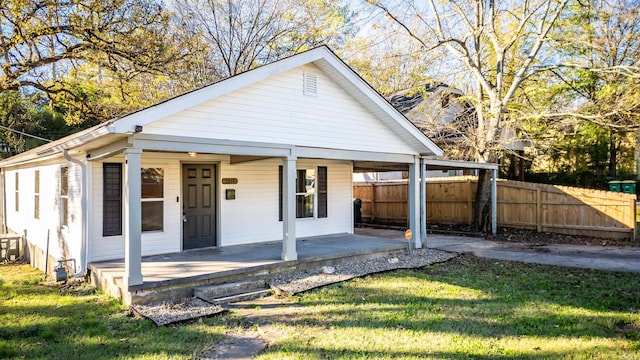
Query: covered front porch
x=253, y=169
x=177, y=274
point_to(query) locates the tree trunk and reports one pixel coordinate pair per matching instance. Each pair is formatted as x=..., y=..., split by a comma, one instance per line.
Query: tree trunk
x=636, y=154
x=521, y=163
x=512, y=167
x=613, y=154
x=482, y=208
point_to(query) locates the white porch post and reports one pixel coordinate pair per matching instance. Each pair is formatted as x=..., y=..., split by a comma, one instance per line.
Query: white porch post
x=494, y=201
x=414, y=198
x=132, y=218
x=423, y=203
x=289, y=209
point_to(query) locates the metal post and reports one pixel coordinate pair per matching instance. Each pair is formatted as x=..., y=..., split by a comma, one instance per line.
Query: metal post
x=414, y=196
x=494, y=201
x=423, y=203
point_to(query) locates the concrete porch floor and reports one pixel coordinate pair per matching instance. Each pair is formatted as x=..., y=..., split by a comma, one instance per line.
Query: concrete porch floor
x=177, y=274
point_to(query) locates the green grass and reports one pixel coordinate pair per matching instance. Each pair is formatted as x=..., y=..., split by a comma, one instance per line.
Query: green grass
x=469, y=308
x=39, y=321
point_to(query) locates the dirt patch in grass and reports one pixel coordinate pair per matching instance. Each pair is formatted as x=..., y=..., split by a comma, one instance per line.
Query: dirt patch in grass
x=507, y=234
x=630, y=331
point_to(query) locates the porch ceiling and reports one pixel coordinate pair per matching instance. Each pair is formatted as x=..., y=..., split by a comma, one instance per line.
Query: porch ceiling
x=373, y=166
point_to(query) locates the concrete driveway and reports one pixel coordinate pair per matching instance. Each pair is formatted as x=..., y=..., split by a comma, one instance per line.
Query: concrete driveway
x=610, y=258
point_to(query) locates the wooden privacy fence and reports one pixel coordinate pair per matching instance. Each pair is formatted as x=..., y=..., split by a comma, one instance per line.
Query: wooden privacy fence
x=541, y=207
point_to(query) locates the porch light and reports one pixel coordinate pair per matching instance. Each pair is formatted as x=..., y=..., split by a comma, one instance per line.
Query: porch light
x=192, y=153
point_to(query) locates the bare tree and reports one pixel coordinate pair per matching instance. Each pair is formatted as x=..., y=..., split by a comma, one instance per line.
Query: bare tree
x=498, y=43
x=244, y=34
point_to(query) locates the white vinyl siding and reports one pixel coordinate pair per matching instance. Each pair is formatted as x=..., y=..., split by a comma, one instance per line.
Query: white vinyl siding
x=275, y=110
x=251, y=217
x=64, y=241
x=153, y=242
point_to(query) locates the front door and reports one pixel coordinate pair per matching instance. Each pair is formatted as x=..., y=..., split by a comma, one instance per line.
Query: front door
x=198, y=206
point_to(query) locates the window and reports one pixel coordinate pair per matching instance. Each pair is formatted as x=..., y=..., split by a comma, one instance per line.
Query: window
x=64, y=196
x=17, y=192
x=152, y=199
x=311, y=193
x=446, y=101
x=36, y=195
x=305, y=192
x=112, y=199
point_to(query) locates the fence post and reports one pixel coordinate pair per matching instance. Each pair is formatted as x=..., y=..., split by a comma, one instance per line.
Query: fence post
x=633, y=219
x=373, y=202
x=538, y=210
x=469, y=201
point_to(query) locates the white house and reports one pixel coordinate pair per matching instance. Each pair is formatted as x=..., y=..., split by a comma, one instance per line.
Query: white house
x=267, y=155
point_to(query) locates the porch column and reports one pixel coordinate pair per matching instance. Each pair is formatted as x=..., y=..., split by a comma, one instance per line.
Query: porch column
x=132, y=218
x=494, y=201
x=289, y=209
x=423, y=203
x=414, y=198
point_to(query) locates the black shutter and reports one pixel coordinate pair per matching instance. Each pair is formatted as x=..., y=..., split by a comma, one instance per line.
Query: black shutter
x=301, y=187
x=112, y=199
x=322, y=191
x=280, y=192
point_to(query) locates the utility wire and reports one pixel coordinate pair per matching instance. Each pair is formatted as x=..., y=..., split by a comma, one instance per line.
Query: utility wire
x=25, y=134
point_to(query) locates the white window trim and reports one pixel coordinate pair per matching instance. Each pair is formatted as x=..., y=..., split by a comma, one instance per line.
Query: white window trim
x=315, y=194
x=62, y=211
x=16, y=188
x=164, y=168
x=36, y=194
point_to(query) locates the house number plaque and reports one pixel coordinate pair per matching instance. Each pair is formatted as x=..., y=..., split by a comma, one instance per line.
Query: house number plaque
x=228, y=181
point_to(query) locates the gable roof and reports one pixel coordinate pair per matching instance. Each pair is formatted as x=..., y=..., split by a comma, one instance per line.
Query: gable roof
x=322, y=57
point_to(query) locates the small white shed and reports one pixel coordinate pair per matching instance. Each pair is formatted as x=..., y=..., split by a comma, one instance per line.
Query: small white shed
x=267, y=155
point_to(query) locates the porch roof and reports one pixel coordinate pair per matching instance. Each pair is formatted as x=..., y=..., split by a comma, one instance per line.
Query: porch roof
x=126, y=127
x=431, y=164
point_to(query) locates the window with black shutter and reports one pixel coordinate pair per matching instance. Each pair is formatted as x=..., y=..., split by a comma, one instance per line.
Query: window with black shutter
x=311, y=192
x=112, y=199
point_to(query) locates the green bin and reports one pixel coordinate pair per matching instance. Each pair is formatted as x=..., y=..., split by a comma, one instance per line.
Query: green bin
x=615, y=186
x=629, y=187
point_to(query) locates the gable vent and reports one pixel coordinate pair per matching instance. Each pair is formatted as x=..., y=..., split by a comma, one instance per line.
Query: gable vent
x=310, y=86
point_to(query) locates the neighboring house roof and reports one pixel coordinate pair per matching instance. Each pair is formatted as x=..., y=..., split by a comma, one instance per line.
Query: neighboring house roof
x=322, y=57
x=438, y=111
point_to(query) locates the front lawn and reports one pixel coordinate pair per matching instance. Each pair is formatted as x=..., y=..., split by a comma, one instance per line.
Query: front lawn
x=469, y=308
x=40, y=321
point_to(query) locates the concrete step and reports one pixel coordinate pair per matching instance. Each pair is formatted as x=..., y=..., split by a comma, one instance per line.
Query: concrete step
x=227, y=289
x=243, y=296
